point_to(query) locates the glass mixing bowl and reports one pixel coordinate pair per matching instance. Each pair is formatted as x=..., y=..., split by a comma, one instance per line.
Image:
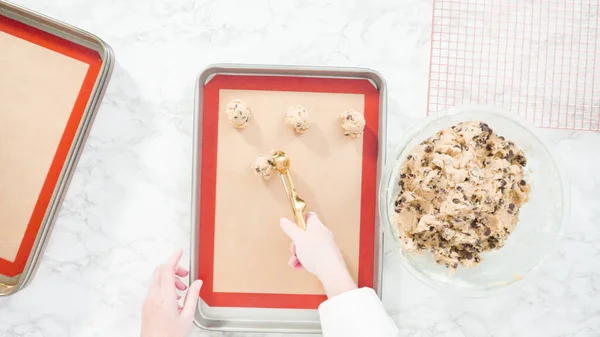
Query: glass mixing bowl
x=541, y=219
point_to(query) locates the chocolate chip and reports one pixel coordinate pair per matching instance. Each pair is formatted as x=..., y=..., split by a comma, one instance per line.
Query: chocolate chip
x=428, y=149
x=402, y=176
x=455, y=200
x=503, y=182
x=502, y=138
x=410, y=175
x=487, y=232
x=505, y=170
x=492, y=246
x=409, y=157
x=511, y=206
x=418, y=207
x=469, y=255
x=488, y=147
x=521, y=160
x=459, y=188
x=501, y=202
x=403, y=199
x=522, y=182
x=474, y=224
x=401, y=183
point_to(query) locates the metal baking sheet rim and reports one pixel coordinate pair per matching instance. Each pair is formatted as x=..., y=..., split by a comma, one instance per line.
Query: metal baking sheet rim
x=279, y=324
x=106, y=53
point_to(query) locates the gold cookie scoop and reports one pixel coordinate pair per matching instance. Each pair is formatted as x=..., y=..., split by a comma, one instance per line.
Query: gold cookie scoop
x=282, y=165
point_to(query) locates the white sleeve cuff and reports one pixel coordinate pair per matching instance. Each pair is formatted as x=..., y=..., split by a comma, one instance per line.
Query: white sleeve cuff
x=357, y=313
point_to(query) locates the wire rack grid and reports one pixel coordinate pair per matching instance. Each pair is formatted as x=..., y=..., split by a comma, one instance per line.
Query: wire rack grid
x=535, y=57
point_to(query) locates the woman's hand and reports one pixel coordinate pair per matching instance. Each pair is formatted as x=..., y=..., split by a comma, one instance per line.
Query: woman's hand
x=162, y=316
x=316, y=251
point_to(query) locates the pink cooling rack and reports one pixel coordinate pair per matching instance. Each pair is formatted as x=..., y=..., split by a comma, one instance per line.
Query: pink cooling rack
x=537, y=58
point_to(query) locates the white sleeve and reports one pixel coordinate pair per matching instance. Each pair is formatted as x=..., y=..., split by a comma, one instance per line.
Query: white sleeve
x=357, y=313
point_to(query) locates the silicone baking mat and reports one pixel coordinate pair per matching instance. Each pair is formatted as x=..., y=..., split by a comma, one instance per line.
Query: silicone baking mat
x=537, y=58
x=45, y=85
x=243, y=253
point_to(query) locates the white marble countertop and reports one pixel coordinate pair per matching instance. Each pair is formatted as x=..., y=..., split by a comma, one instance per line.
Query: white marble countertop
x=128, y=204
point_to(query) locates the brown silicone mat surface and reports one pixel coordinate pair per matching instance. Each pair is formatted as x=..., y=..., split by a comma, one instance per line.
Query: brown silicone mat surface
x=38, y=89
x=250, y=250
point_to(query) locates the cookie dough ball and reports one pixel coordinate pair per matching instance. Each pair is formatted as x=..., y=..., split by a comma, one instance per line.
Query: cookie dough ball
x=353, y=123
x=297, y=117
x=460, y=194
x=264, y=166
x=238, y=114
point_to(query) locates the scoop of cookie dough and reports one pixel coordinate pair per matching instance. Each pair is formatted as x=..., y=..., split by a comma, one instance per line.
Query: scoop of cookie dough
x=238, y=114
x=297, y=117
x=460, y=194
x=353, y=123
x=264, y=166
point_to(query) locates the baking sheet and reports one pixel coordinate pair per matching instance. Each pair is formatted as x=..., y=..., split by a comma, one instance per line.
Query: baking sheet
x=45, y=86
x=243, y=253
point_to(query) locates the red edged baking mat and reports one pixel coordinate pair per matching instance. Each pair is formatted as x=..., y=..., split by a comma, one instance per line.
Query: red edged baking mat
x=27, y=51
x=230, y=237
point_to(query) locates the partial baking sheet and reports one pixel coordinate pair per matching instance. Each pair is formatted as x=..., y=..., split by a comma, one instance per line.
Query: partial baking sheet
x=51, y=79
x=242, y=253
x=33, y=79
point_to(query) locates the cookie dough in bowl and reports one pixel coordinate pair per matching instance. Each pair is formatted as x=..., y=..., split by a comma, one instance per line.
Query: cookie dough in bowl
x=472, y=200
x=460, y=194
